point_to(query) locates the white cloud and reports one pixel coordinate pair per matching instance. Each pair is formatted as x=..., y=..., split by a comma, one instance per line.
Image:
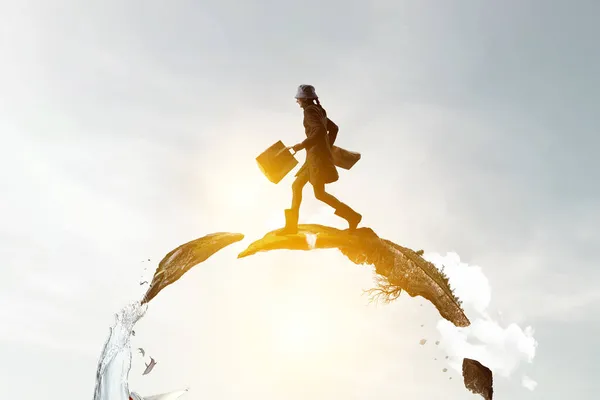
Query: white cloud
x=502, y=349
x=468, y=281
x=529, y=383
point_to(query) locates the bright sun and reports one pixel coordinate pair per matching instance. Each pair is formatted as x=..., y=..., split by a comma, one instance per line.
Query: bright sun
x=297, y=333
x=300, y=328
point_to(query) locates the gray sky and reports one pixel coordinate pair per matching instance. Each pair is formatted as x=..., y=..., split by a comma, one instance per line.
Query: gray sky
x=131, y=127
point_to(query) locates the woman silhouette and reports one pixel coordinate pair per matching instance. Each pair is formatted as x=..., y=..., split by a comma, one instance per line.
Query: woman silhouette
x=319, y=168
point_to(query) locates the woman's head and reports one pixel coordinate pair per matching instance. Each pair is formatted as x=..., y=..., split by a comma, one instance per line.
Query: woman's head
x=305, y=95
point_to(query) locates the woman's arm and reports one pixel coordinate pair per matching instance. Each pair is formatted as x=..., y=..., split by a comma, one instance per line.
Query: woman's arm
x=316, y=128
x=333, y=129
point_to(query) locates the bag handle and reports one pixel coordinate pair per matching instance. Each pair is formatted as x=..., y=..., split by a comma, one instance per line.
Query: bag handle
x=284, y=149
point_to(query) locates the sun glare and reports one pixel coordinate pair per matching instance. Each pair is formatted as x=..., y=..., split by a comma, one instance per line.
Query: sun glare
x=300, y=328
x=242, y=194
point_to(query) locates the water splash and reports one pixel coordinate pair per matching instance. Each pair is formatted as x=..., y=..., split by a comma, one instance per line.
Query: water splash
x=165, y=396
x=311, y=240
x=115, y=360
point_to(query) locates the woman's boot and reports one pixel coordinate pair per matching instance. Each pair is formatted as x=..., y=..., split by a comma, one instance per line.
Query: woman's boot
x=349, y=215
x=291, y=222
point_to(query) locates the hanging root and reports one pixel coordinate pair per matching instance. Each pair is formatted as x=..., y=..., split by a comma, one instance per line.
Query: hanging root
x=384, y=291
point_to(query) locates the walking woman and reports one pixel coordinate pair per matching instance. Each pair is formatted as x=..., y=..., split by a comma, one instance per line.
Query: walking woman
x=319, y=168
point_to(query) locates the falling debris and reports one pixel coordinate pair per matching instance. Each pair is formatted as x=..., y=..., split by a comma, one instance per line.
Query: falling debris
x=142, y=352
x=447, y=357
x=478, y=378
x=437, y=342
x=133, y=333
x=435, y=359
x=423, y=341
x=422, y=325
x=445, y=370
x=400, y=268
x=149, y=366
x=142, y=283
x=450, y=378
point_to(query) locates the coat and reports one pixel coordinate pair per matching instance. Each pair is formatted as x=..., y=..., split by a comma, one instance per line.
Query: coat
x=321, y=133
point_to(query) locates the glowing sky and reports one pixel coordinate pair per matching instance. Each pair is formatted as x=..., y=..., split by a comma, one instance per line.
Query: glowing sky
x=131, y=127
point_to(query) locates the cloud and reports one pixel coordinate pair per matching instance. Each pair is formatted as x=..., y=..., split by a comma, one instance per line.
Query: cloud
x=528, y=383
x=469, y=282
x=502, y=349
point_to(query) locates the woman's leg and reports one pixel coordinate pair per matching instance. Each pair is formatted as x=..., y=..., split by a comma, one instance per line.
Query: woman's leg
x=297, y=187
x=325, y=197
x=341, y=209
x=292, y=214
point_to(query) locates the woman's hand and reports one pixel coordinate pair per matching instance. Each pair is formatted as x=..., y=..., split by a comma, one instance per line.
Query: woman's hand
x=296, y=147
